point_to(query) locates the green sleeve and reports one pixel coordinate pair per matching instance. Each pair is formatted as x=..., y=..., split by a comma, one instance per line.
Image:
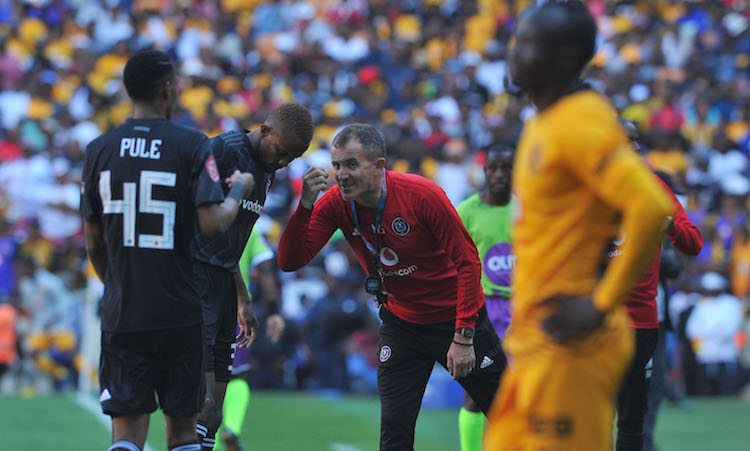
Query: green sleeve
x=256, y=252
x=462, y=211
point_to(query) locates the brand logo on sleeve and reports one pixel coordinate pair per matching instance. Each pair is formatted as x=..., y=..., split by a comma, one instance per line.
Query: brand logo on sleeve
x=253, y=206
x=212, y=169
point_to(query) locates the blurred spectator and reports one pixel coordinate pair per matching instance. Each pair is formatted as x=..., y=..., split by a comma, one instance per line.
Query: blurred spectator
x=36, y=247
x=724, y=159
x=8, y=249
x=712, y=328
x=740, y=269
x=331, y=322
x=7, y=337
x=52, y=335
x=669, y=118
x=270, y=352
x=362, y=360
x=454, y=173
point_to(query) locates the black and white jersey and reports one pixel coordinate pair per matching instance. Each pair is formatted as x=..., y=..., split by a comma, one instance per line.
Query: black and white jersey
x=143, y=181
x=233, y=151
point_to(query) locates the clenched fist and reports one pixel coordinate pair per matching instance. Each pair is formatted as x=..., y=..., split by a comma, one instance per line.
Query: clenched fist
x=246, y=178
x=314, y=181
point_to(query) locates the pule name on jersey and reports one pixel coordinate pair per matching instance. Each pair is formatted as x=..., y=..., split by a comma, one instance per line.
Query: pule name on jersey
x=253, y=206
x=136, y=148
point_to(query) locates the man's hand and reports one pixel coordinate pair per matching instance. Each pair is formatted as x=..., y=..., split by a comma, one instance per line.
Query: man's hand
x=246, y=178
x=575, y=317
x=314, y=181
x=461, y=359
x=247, y=321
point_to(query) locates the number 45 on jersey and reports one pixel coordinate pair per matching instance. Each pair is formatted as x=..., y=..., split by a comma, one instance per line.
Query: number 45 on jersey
x=146, y=204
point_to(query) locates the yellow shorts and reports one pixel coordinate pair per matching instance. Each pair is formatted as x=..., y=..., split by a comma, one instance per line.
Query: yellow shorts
x=561, y=397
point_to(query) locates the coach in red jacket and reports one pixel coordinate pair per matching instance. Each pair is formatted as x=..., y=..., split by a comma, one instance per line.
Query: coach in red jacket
x=423, y=269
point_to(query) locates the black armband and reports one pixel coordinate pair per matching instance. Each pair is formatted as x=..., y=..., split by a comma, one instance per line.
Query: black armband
x=237, y=191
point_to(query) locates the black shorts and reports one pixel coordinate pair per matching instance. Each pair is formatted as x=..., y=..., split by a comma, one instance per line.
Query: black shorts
x=134, y=365
x=219, y=298
x=407, y=355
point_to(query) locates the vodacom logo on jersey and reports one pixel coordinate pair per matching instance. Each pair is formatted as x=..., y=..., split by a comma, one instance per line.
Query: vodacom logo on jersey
x=619, y=241
x=389, y=258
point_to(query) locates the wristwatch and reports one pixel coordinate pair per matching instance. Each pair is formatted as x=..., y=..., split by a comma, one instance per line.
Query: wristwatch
x=467, y=332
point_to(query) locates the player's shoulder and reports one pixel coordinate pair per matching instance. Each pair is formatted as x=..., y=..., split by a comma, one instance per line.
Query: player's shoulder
x=468, y=204
x=99, y=141
x=589, y=100
x=99, y=145
x=417, y=191
x=190, y=141
x=186, y=132
x=665, y=181
x=412, y=183
x=227, y=148
x=104, y=139
x=583, y=108
x=332, y=197
x=584, y=120
x=95, y=147
x=229, y=139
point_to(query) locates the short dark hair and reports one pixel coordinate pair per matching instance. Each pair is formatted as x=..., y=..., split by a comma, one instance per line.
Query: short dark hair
x=579, y=30
x=295, y=118
x=371, y=139
x=145, y=73
x=500, y=148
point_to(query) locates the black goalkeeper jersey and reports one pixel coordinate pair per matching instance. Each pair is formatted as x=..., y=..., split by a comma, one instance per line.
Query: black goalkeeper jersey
x=143, y=181
x=233, y=151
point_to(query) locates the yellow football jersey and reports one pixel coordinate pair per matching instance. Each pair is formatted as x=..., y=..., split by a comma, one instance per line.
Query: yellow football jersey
x=575, y=174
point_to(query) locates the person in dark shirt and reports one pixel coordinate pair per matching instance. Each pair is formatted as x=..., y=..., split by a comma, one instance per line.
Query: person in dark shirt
x=284, y=136
x=144, y=183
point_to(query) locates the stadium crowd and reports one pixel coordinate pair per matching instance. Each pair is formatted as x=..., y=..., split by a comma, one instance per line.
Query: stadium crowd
x=429, y=74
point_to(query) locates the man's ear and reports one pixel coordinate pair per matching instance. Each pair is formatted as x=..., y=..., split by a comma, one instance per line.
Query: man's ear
x=164, y=91
x=265, y=129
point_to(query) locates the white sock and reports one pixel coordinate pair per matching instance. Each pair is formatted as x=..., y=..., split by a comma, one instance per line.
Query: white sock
x=123, y=445
x=188, y=447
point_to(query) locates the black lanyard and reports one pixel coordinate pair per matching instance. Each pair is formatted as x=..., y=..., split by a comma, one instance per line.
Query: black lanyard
x=374, y=250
